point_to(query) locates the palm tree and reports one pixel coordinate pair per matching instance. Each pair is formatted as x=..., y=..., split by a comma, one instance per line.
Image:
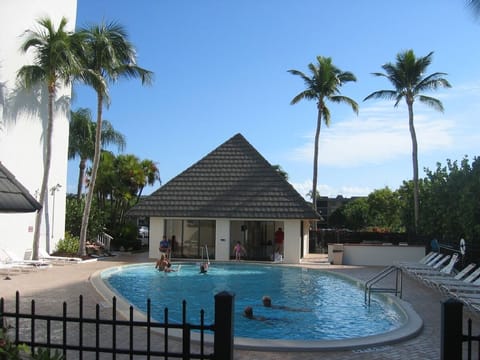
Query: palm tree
x=81, y=140
x=280, y=171
x=151, y=174
x=108, y=56
x=475, y=5
x=55, y=61
x=2, y=102
x=408, y=79
x=323, y=85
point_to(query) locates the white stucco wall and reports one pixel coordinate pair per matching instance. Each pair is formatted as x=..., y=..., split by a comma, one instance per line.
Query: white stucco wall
x=377, y=255
x=306, y=238
x=156, y=234
x=292, y=242
x=21, y=136
x=222, y=240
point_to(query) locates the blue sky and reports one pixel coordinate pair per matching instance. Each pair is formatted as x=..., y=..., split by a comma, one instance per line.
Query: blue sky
x=221, y=69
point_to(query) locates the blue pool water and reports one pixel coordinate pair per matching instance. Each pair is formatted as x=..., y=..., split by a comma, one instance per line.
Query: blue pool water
x=330, y=307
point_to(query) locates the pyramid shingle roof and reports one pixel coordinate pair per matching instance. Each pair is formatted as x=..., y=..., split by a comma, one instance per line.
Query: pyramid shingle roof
x=233, y=181
x=14, y=197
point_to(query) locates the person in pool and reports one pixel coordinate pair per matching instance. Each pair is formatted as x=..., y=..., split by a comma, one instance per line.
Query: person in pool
x=163, y=264
x=203, y=268
x=267, y=302
x=248, y=313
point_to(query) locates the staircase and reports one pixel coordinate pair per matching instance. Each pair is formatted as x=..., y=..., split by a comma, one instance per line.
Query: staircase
x=104, y=240
x=315, y=259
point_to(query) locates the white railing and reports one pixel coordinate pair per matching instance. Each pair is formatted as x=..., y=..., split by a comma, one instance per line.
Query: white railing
x=104, y=240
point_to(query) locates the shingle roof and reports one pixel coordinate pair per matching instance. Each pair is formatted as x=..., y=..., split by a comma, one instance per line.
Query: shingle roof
x=233, y=181
x=14, y=197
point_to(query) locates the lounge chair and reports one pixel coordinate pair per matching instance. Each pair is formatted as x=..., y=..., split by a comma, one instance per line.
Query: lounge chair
x=470, y=298
x=55, y=260
x=435, y=270
x=440, y=278
x=470, y=284
x=435, y=263
x=423, y=260
x=9, y=257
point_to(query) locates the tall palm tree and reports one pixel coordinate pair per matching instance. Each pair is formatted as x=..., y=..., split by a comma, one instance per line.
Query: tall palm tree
x=108, y=56
x=151, y=174
x=408, y=79
x=81, y=140
x=55, y=62
x=323, y=85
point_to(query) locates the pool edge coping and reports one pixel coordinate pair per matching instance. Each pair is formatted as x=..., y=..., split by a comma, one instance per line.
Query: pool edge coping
x=412, y=327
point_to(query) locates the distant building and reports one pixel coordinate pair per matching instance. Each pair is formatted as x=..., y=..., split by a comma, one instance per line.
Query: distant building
x=22, y=126
x=326, y=205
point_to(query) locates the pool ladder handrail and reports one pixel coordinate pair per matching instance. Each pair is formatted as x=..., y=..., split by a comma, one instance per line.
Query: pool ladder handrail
x=205, y=247
x=397, y=290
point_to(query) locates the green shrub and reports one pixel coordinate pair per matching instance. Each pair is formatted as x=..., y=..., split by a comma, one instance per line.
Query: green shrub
x=69, y=245
x=46, y=354
x=9, y=350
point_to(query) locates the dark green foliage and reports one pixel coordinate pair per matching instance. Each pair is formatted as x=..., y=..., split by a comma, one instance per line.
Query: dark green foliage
x=73, y=218
x=127, y=237
x=353, y=215
x=449, y=205
x=384, y=210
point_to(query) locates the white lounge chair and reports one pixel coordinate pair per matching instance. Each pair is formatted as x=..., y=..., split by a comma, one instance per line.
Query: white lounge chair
x=435, y=270
x=435, y=263
x=468, y=285
x=55, y=260
x=423, y=260
x=439, y=279
x=469, y=298
x=9, y=257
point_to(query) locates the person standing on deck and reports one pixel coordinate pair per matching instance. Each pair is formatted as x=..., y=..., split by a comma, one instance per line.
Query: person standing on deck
x=279, y=237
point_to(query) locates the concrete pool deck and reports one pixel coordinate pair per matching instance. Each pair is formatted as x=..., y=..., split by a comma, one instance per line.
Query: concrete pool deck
x=51, y=287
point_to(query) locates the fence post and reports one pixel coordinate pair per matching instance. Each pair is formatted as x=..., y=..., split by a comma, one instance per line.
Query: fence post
x=223, y=341
x=452, y=329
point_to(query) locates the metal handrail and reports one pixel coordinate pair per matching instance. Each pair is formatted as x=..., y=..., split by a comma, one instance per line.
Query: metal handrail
x=397, y=290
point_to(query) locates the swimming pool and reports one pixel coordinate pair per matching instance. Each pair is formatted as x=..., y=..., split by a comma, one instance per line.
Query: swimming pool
x=322, y=305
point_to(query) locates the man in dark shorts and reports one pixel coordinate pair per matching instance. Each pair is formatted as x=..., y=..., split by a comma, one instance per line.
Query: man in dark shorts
x=279, y=240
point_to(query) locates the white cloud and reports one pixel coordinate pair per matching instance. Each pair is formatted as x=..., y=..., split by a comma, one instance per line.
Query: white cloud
x=378, y=135
x=305, y=187
x=377, y=143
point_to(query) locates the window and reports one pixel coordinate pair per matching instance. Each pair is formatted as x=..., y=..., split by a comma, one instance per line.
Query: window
x=191, y=237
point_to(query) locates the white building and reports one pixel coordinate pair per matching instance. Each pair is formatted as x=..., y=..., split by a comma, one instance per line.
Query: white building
x=231, y=195
x=22, y=132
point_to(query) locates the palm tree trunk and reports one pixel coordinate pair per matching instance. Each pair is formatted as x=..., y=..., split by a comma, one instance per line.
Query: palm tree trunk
x=47, y=222
x=139, y=194
x=81, y=177
x=315, y=158
x=93, y=177
x=315, y=169
x=46, y=171
x=415, y=166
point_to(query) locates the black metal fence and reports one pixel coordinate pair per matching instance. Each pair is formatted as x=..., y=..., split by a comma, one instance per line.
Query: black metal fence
x=452, y=336
x=94, y=337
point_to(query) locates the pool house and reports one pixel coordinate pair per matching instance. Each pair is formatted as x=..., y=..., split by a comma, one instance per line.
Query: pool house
x=231, y=195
